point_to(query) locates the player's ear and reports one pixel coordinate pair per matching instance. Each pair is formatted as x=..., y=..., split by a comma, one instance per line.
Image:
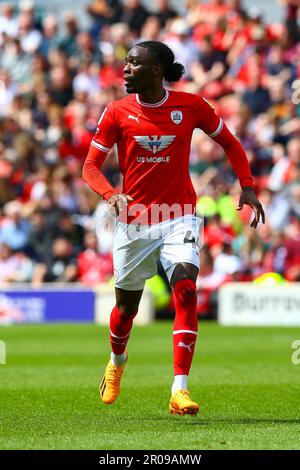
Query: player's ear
x=157, y=70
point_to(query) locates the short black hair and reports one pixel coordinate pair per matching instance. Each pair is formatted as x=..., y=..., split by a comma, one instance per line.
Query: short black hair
x=173, y=71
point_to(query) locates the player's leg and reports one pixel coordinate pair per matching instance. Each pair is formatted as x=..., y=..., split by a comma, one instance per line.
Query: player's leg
x=180, y=258
x=185, y=332
x=134, y=262
x=121, y=320
x=185, y=329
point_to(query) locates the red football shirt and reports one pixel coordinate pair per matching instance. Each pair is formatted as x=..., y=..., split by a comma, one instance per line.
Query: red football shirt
x=153, y=143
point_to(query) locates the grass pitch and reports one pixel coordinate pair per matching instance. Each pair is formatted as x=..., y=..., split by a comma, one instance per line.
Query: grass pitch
x=243, y=379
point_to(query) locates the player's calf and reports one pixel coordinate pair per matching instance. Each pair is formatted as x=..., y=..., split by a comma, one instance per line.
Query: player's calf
x=184, y=340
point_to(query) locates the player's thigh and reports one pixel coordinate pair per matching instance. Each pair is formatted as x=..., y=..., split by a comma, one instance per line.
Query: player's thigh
x=179, y=251
x=135, y=258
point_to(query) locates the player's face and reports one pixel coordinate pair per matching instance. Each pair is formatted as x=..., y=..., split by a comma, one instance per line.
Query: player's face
x=139, y=71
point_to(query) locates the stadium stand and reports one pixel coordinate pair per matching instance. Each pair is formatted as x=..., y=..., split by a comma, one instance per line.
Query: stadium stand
x=56, y=77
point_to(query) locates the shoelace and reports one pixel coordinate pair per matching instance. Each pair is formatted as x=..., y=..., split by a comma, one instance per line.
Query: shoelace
x=113, y=373
x=185, y=394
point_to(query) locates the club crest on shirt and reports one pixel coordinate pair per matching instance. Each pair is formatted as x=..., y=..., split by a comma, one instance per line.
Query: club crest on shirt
x=176, y=116
x=154, y=143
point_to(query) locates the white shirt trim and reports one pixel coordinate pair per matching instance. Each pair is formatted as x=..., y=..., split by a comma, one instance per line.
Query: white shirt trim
x=102, y=116
x=153, y=105
x=218, y=130
x=185, y=331
x=100, y=147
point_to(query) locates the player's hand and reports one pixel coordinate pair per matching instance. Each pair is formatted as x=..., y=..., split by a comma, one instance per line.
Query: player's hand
x=248, y=197
x=119, y=202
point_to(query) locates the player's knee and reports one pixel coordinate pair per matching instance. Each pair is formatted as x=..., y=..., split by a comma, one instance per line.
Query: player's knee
x=127, y=311
x=185, y=291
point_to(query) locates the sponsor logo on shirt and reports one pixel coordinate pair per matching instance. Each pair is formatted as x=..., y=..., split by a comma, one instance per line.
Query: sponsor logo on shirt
x=166, y=159
x=176, y=116
x=154, y=143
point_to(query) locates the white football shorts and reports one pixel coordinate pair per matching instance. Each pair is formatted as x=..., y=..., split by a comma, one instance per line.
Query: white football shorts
x=138, y=247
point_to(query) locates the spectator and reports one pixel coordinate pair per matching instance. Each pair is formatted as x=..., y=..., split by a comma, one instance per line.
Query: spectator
x=50, y=38
x=14, y=267
x=151, y=30
x=56, y=78
x=62, y=264
x=14, y=229
x=68, y=229
x=135, y=15
x=104, y=12
x=86, y=49
x=61, y=85
x=8, y=23
x=40, y=237
x=275, y=257
x=208, y=283
x=293, y=153
x=30, y=37
x=226, y=262
x=164, y=12
x=281, y=164
x=256, y=97
x=17, y=62
x=251, y=248
x=182, y=45
x=68, y=44
x=94, y=267
x=210, y=69
x=9, y=91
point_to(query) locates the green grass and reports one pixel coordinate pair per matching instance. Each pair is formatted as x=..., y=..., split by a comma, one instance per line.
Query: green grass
x=243, y=378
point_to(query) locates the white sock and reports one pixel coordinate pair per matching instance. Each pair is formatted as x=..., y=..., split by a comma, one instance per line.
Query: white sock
x=118, y=359
x=180, y=382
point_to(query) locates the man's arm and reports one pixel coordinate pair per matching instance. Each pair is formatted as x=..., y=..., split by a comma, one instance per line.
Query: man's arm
x=104, y=139
x=214, y=126
x=93, y=176
x=239, y=162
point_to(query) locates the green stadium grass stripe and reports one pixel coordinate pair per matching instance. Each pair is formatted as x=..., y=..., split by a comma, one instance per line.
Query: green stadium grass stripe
x=243, y=379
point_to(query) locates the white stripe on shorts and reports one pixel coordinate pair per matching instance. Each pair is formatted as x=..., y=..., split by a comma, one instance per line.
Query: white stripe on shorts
x=184, y=331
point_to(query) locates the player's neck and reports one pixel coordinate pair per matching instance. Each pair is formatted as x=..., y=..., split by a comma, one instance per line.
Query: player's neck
x=153, y=96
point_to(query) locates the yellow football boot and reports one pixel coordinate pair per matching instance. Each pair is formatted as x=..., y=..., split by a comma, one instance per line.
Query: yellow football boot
x=181, y=404
x=110, y=384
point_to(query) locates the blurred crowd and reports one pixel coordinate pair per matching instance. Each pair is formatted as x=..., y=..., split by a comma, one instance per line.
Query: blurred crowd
x=55, y=80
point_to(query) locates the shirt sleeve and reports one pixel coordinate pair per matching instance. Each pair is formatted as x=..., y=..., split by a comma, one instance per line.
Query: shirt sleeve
x=206, y=118
x=107, y=131
x=104, y=138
